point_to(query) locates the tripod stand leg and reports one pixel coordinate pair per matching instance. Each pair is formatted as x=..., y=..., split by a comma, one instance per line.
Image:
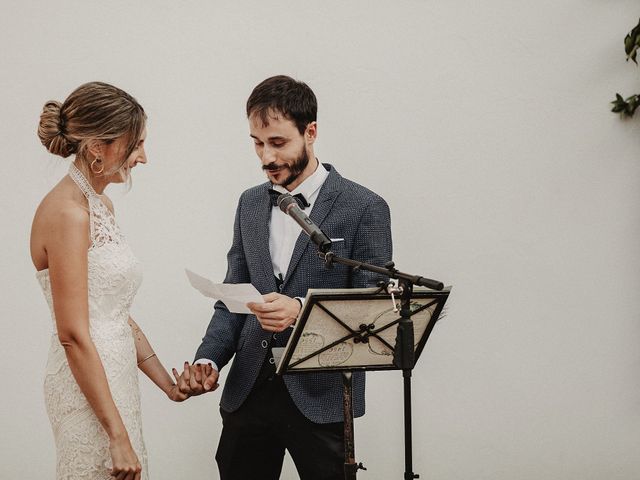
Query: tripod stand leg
x=350, y=467
x=408, y=447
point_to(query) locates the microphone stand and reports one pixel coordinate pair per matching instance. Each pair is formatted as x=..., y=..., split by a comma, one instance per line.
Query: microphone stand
x=403, y=354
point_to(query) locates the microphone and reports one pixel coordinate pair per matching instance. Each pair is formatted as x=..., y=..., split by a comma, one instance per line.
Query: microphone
x=289, y=206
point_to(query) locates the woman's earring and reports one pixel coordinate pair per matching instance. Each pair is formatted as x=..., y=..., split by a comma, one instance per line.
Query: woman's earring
x=97, y=160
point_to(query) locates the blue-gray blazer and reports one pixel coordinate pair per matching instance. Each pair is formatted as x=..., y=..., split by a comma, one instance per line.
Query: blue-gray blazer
x=343, y=209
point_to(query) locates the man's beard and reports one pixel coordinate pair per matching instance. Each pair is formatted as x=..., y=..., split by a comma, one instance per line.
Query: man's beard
x=295, y=168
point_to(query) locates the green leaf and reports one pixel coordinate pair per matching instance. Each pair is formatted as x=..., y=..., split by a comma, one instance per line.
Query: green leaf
x=628, y=44
x=626, y=107
x=619, y=104
x=632, y=43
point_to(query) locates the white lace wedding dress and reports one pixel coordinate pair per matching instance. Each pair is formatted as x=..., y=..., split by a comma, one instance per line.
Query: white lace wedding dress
x=114, y=276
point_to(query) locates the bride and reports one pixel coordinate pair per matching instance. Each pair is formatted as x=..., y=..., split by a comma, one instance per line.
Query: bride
x=89, y=277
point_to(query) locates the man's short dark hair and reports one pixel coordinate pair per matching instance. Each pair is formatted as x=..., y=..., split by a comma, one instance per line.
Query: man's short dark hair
x=286, y=96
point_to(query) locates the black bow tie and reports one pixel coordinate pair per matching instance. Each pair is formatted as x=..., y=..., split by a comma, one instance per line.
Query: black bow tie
x=274, y=195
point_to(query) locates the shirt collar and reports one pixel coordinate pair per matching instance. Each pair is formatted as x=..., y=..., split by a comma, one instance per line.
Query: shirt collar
x=310, y=185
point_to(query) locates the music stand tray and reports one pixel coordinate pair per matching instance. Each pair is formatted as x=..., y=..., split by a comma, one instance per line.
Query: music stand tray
x=356, y=329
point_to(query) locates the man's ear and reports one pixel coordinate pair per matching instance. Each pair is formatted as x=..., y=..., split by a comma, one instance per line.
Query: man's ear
x=311, y=132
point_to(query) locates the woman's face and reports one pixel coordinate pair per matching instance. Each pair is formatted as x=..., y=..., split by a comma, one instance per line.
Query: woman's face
x=116, y=171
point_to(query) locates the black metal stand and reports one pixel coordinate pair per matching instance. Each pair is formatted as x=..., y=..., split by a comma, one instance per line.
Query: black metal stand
x=404, y=357
x=403, y=352
x=350, y=466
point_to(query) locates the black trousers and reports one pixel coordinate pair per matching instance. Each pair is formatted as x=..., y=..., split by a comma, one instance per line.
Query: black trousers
x=254, y=438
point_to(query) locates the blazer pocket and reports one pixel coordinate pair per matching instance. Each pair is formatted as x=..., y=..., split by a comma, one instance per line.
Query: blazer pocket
x=339, y=245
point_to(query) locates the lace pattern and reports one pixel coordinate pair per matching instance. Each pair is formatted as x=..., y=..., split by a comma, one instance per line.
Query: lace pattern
x=114, y=275
x=103, y=227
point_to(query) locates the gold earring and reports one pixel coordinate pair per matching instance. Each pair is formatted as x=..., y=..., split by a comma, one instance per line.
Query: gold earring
x=99, y=161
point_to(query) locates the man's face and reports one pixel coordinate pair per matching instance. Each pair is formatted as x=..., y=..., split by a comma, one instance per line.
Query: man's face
x=281, y=149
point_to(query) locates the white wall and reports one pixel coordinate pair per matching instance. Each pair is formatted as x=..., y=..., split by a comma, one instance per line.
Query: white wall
x=486, y=127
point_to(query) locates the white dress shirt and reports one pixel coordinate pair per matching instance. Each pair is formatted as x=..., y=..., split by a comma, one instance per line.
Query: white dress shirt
x=283, y=230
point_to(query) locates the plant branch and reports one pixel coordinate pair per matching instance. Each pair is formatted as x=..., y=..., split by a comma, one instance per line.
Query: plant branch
x=627, y=106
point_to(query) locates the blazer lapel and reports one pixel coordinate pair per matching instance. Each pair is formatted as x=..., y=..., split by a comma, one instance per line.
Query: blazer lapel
x=321, y=208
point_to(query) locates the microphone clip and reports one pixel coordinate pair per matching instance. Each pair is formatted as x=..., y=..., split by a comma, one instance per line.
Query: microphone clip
x=393, y=289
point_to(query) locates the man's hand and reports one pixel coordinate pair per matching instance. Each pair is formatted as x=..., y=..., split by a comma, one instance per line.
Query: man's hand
x=277, y=312
x=196, y=379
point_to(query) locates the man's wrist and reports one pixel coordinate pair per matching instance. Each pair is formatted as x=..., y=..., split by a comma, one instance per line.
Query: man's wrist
x=204, y=361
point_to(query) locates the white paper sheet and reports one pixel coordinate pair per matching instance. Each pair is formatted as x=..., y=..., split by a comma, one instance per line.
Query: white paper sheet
x=234, y=295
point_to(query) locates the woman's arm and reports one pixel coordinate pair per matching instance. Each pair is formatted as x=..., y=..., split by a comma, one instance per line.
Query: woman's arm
x=67, y=244
x=148, y=362
x=150, y=365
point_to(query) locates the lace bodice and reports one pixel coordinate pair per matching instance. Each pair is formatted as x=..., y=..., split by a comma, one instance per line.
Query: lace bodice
x=114, y=275
x=114, y=272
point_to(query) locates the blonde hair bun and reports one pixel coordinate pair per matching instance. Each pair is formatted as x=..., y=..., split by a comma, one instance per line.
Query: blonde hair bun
x=94, y=111
x=51, y=130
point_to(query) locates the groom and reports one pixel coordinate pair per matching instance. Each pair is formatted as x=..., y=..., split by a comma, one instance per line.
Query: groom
x=264, y=414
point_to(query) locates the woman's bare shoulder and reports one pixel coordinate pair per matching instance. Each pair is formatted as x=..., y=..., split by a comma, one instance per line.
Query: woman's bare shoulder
x=61, y=209
x=60, y=219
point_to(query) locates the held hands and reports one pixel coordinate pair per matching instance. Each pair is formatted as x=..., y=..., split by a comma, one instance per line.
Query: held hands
x=194, y=380
x=277, y=312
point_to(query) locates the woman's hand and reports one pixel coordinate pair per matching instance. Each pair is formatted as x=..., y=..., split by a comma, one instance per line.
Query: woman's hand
x=124, y=460
x=176, y=395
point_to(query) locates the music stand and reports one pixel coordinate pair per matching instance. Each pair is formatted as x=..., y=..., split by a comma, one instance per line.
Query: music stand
x=347, y=330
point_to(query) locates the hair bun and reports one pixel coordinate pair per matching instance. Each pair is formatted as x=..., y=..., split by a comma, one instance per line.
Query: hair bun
x=51, y=130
